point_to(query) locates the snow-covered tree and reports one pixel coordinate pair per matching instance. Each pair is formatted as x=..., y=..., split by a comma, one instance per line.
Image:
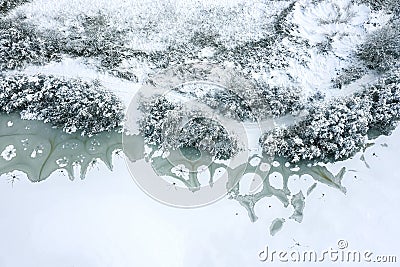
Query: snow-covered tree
x=70, y=104
x=331, y=131
x=169, y=126
x=338, y=129
x=385, y=99
x=392, y=6
x=20, y=44
x=7, y=5
x=381, y=50
x=153, y=124
x=273, y=101
x=349, y=75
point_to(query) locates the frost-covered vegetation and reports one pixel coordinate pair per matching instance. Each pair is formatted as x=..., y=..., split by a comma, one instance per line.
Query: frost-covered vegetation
x=330, y=132
x=169, y=126
x=249, y=101
x=227, y=102
x=384, y=97
x=392, y=6
x=349, y=75
x=274, y=101
x=339, y=129
x=7, y=5
x=381, y=51
x=70, y=104
x=21, y=45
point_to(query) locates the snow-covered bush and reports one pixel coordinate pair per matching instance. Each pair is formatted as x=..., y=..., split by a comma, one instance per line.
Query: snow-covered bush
x=155, y=113
x=266, y=101
x=229, y=104
x=316, y=97
x=381, y=50
x=276, y=101
x=21, y=44
x=90, y=36
x=317, y=21
x=348, y=75
x=390, y=5
x=168, y=125
x=94, y=36
x=280, y=24
x=338, y=129
x=385, y=99
x=7, y=5
x=330, y=132
x=247, y=101
x=207, y=135
x=73, y=105
x=250, y=56
x=223, y=100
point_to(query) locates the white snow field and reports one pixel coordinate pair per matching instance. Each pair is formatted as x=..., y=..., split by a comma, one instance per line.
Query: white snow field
x=106, y=220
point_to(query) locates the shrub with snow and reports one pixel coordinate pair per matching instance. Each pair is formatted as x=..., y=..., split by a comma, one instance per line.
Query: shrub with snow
x=381, y=50
x=169, y=126
x=276, y=101
x=225, y=101
x=385, y=109
x=390, y=5
x=349, y=75
x=330, y=132
x=7, y=5
x=207, y=135
x=70, y=104
x=94, y=36
x=20, y=44
x=338, y=129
